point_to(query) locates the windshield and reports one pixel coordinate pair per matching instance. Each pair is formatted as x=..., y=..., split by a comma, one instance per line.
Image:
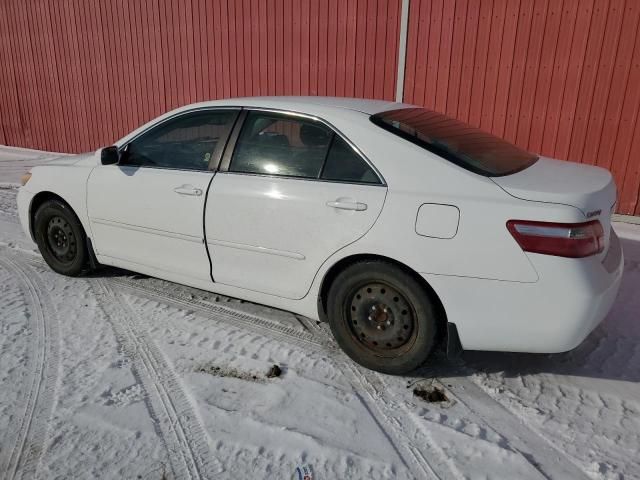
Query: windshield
x=462, y=144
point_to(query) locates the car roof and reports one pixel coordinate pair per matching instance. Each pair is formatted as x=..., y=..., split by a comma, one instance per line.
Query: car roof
x=309, y=105
x=322, y=107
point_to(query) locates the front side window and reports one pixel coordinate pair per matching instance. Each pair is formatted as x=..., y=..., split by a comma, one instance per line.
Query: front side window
x=186, y=142
x=275, y=144
x=453, y=140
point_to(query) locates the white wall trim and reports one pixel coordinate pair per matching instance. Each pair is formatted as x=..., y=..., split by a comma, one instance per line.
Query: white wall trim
x=402, y=50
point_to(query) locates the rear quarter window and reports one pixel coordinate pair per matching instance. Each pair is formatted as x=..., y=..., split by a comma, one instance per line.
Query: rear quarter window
x=460, y=143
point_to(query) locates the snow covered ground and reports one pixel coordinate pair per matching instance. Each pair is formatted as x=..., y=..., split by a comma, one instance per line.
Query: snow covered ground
x=117, y=375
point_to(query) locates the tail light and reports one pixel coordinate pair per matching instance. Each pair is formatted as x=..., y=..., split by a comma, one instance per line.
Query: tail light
x=574, y=240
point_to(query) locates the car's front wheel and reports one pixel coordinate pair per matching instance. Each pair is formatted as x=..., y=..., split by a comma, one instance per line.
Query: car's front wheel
x=60, y=238
x=382, y=317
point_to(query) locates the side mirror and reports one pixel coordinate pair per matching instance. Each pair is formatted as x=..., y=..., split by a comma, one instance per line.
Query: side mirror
x=110, y=155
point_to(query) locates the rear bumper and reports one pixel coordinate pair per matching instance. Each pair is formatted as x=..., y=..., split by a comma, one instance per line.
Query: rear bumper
x=554, y=314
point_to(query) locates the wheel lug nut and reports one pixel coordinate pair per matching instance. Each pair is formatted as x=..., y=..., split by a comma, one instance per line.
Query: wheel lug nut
x=370, y=318
x=379, y=327
x=388, y=322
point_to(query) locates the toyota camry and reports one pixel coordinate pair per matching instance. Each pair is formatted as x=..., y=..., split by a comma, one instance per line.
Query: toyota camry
x=403, y=228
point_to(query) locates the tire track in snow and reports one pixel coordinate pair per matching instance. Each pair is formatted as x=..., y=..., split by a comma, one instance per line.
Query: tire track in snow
x=317, y=339
x=8, y=207
x=424, y=460
x=536, y=449
x=313, y=338
x=31, y=426
x=186, y=440
x=306, y=339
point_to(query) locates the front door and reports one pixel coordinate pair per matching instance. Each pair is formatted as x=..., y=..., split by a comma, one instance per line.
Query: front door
x=295, y=192
x=148, y=210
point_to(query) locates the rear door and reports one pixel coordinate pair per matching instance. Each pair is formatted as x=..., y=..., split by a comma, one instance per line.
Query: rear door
x=290, y=193
x=148, y=210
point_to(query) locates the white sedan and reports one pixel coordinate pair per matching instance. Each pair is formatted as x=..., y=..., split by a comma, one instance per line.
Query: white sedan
x=402, y=227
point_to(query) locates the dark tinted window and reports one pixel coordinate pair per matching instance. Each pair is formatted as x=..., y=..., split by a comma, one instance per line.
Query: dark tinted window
x=345, y=165
x=186, y=142
x=273, y=144
x=467, y=146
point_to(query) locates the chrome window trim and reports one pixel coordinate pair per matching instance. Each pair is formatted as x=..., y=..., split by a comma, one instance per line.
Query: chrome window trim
x=219, y=150
x=228, y=154
x=305, y=179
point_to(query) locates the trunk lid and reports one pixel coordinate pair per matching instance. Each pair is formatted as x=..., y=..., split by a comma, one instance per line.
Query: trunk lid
x=589, y=189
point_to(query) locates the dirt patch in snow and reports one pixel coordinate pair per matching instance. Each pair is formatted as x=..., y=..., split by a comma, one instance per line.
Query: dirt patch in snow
x=230, y=372
x=431, y=394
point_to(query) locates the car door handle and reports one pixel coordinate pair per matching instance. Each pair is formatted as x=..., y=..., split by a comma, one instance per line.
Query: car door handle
x=341, y=205
x=188, y=190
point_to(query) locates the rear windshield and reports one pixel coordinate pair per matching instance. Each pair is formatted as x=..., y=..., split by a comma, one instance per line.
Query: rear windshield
x=462, y=144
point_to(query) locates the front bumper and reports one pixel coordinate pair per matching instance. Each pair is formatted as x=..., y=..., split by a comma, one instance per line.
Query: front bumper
x=24, y=202
x=554, y=314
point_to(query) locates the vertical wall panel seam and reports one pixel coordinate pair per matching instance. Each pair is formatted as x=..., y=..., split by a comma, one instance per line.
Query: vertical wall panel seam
x=484, y=73
x=632, y=131
x=355, y=50
x=25, y=101
x=625, y=96
x=448, y=60
x=524, y=74
x=597, y=67
x=473, y=62
x=495, y=88
x=552, y=64
x=8, y=75
x=580, y=80
x=402, y=49
x=564, y=81
x=537, y=80
x=508, y=85
x=56, y=28
x=45, y=132
x=608, y=94
x=385, y=66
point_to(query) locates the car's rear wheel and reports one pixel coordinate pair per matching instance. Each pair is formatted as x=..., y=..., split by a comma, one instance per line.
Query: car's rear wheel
x=382, y=317
x=61, y=238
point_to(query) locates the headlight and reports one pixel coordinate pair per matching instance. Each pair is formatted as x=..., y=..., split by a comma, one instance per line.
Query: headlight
x=25, y=178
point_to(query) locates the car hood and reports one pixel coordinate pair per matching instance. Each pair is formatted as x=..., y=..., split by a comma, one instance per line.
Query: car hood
x=69, y=159
x=588, y=188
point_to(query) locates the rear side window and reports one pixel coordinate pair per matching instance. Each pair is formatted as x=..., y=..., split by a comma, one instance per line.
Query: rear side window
x=462, y=144
x=345, y=165
x=275, y=145
x=284, y=145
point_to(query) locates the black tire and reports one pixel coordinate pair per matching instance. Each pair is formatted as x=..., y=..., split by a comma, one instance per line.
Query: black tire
x=61, y=238
x=382, y=317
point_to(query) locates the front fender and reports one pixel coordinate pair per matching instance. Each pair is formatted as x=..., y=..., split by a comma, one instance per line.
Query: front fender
x=68, y=182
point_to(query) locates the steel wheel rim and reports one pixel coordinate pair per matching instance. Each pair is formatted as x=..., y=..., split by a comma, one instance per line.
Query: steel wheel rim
x=61, y=241
x=381, y=319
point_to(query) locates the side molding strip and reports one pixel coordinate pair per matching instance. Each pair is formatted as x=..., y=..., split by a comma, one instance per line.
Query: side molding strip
x=253, y=248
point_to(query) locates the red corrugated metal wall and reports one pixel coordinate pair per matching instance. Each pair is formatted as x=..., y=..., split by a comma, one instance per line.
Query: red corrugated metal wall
x=78, y=74
x=558, y=77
